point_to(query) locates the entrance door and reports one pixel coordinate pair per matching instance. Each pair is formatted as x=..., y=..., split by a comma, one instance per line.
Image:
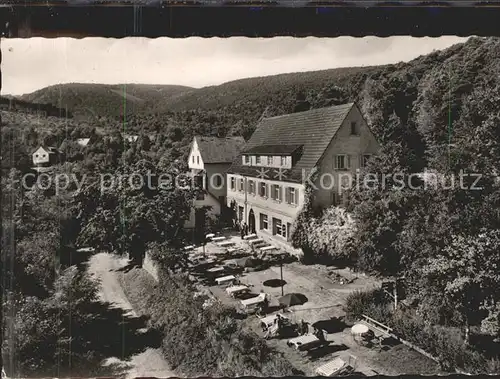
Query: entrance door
x=251, y=221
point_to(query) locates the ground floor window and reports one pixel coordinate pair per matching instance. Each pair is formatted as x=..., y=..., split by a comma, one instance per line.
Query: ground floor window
x=277, y=229
x=240, y=213
x=263, y=221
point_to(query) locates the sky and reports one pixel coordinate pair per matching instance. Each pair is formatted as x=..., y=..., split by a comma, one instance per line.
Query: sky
x=34, y=63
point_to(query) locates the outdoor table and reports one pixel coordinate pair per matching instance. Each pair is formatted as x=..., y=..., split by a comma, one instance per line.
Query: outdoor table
x=253, y=242
x=268, y=321
x=225, y=279
x=233, y=290
x=267, y=248
x=190, y=247
x=248, y=303
x=215, y=269
x=211, y=235
x=225, y=243
x=303, y=341
x=331, y=368
x=217, y=239
x=250, y=236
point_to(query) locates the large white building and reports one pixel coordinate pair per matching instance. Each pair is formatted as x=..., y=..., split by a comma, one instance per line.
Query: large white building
x=266, y=182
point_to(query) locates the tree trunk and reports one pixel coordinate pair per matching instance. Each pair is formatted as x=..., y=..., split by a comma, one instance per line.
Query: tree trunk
x=467, y=332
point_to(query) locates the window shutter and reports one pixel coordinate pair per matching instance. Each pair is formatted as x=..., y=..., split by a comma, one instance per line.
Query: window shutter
x=280, y=194
x=360, y=161
x=335, y=162
x=267, y=190
x=348, y=157
x=287, y=195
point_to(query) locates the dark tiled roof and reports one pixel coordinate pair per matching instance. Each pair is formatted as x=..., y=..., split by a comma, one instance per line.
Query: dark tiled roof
x=219, y=150
x=313, y=129
x=272, y=149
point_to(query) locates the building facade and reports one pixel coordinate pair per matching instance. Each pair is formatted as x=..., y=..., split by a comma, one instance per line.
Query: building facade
x=267, y=181
x=209, y=159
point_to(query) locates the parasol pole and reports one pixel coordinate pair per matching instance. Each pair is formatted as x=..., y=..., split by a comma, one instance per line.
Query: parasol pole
x=281, y=275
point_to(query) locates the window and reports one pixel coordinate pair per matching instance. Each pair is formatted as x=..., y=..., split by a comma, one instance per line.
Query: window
x=233, y=183
x=198, y=181
x=283, y=161
x=240, y=213
x=276, y=192
x=263, y=221
x=245, y=159
x=269, y=161
x=198, y=159
x=44, y=156
x=251, y=187
x=342, y=162
x=192, y=158
x=364, y=160
x=263, y=189
x=354, y=128
x=257, y=159
x=218, y=180
x=290, y=196
x=277, y=229
x=37, y=155
x=242, y=185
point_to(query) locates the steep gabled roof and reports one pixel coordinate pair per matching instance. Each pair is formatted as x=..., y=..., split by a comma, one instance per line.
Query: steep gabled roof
x=219, y=150
x=313, y=130
x=48, y=149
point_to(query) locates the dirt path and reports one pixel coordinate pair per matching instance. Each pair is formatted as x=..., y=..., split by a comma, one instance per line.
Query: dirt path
x=150, y=361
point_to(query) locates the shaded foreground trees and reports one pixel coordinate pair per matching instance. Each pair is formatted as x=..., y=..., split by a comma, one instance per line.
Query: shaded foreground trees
x=125, y=217
x=43, y=303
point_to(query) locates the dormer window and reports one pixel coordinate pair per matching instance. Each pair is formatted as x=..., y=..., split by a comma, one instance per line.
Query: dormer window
x=257, y=159
x=269, y=160
x=283, y=161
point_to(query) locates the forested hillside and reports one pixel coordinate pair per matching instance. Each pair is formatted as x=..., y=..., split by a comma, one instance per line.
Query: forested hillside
x=418, y=107
x=103, y=99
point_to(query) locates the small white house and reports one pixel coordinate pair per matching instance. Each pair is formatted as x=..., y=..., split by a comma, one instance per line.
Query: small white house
x=45, y=156
x=209, y=158
x=83, y=141
x=130, y=137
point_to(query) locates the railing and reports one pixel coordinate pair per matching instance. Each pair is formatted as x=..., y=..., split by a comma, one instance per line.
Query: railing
x=378, y=325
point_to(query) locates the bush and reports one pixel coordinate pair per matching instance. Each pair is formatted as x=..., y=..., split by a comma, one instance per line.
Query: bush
x=370, y=303
x=445, y=344
x=206, y=340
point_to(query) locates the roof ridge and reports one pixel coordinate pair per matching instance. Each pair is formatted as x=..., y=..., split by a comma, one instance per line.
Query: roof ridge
x=347, y=105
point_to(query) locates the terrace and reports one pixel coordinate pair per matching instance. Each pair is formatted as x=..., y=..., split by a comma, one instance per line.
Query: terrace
x=324, y=289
